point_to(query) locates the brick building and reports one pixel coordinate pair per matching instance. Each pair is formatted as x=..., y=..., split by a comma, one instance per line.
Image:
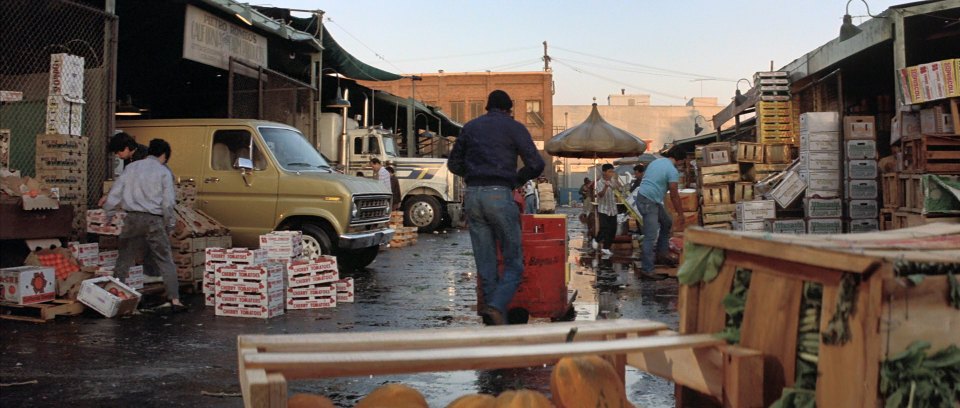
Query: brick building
x=463, y=96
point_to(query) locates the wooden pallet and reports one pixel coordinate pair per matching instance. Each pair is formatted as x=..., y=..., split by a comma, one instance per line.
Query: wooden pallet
x=701, y=362
x=938, y=154
x=40, y=312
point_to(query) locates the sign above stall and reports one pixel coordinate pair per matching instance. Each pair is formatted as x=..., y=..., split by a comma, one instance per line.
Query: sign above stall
x=211, y=40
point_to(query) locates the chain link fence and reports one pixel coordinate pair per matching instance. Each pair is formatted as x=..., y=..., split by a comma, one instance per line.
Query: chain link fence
x=261, y=93
x=33, y=30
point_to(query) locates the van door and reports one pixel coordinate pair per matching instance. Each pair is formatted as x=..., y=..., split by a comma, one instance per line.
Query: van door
x=246, y=204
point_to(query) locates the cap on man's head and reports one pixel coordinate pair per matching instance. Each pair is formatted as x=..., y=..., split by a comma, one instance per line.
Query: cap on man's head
x=499, y=100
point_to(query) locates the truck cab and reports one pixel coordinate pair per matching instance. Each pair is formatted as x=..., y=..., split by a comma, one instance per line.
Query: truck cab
x=257, y=176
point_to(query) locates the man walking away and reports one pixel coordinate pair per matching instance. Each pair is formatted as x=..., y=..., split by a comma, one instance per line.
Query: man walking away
x=382, y=174
x=485, y=155
x=607, y=208
x=394, y=187
x=661, y=176
x=145, y=191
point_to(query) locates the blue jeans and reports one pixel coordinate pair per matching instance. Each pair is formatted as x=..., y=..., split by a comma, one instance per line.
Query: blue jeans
x=493, y=217
x=656, y=231
x=530, y=202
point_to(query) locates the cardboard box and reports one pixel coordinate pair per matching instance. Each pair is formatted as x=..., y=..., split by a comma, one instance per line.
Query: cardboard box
x=859, y=127
x=63, y=117
x=816, y=161
x=931, y=81
x=786, y=226
x=63, y=178
x=951, y=77
x=284, y=251
x=905, y=126
x=787, y=191
x=757, y=210
x=312, y=278
x=108, y=258
x=825, y=226
x=819, y=122
x=61, y=161
x=820, y=142
x=248, y=285
x=752, y=226
x=215, y=255
x=823, y=208
x=910, y=85
x=345, y=297
x=311, y=303
x=262, y=272
x=323, y=290
x=861, y=190
x=66, y=76
x=344, y=285
x=862, y=169
x=260, y=312
x=860, y=209
x=281, y=238
x=861, y=149
x=26, y=285
x=859, y=226
x=108, y=296
x=266, y=299
x=246, y=256
x=935, y=120
x=86, y=254
x=99, y=216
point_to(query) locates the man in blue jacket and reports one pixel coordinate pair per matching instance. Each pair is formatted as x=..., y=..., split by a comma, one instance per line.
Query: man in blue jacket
x=485, y=155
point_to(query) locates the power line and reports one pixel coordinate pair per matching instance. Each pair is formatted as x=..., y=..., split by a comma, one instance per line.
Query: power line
x=645, y=66
x=365, y=45
x=468, y=55
x=615, y=68
x=508, y=65
x=620, y=83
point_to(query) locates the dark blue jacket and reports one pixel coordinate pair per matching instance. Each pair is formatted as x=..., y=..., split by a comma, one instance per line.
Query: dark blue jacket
x=486, y=151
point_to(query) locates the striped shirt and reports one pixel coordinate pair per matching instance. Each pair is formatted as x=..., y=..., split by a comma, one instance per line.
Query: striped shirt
x=144, y=186
x=607, y=203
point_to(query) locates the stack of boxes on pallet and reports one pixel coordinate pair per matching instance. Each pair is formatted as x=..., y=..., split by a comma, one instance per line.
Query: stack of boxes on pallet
x=775, y=123
x=246, y=285
x=402, y=236
x=719, y=174
x=61, y=152
x=861, y=187
x=820, y=171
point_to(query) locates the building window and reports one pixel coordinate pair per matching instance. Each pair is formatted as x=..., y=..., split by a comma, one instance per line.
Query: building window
x=476, y=109
x=457, y=111
x=533, y=114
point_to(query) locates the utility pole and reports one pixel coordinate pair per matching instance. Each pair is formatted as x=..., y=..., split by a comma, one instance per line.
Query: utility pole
x=411, y=117
x=546, y=58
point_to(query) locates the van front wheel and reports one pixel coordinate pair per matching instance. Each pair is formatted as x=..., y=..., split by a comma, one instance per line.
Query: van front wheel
x=316, y=242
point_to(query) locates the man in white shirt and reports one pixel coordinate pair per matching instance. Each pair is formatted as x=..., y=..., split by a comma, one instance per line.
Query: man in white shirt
x=382, y=174
x=607, y=207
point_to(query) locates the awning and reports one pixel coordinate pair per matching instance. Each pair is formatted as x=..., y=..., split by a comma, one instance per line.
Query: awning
x=263, y=22
x=449, y=127
x=334, y=56
x=690, y=143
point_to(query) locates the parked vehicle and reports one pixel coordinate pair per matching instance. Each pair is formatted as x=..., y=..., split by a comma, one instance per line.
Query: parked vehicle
x=257, y=176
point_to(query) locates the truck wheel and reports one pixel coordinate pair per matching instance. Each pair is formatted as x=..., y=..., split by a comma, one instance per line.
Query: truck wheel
x=315, y=241
x=423, y=212
x=358, y=259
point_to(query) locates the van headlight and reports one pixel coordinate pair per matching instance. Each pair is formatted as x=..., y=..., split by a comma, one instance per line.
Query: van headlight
x=353, y=209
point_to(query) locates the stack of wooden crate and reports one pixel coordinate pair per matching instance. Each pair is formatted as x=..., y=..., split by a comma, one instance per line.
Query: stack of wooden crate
x=402, y=236
x=719, y=173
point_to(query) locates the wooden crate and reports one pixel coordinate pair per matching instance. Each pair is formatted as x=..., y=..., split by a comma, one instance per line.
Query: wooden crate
x=749, y=152
x=717, y=214
x=886, y=219
x=742, y=191
x=938, y=154
x=715, y=154
x=727, y=173
x=890, y=189
x=883, y=321
x=701, y=362
x=761, y=171
x=913, y=193
x=716, y=194
x=906, y=219
x=778, y=153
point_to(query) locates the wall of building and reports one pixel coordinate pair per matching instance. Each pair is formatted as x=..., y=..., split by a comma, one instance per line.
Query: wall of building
x=463, y=96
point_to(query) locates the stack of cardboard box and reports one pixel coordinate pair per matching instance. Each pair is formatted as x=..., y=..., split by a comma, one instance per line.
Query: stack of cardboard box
x=61, y=152
x=861, y=186
x=311, y=284
x=248, y=285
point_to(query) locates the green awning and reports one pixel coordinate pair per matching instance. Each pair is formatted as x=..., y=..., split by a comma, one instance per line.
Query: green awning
x=334, y=56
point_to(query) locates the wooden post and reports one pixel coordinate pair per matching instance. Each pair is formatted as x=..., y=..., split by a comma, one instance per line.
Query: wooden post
x=742, y=378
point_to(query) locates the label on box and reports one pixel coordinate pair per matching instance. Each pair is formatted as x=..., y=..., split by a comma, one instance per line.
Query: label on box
x=753, y=226
x=246, y=256
x=861, y=189
x=312, y=303
x=757, y=210
x=860, y=209
x=825, y=226
x=862, y=169
x=262, y=272
x=823, y=208
x=313, y=278
x=822, y=180
x=858, y=226
x=345, y=297
x=66, y=76
x=261, y=312
x=814, y=161
x=26, y=285
x=344, y=285
x=260, y=299
x=791, y=226
x=861, y=149
x=211, y=267
x=215, y=254
x=244, y=285
x=787, y=191
x=326, y=290
x=820, y=122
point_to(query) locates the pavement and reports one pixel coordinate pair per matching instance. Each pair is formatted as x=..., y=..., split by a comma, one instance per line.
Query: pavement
x=175, y=360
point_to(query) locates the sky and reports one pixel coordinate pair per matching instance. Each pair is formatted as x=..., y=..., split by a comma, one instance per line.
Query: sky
x=670, y=49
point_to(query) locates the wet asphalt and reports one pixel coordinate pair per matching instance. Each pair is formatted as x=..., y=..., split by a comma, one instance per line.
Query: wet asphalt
x=173, y=360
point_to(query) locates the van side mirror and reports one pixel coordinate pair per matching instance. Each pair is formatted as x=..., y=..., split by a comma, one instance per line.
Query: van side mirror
x=245, y=164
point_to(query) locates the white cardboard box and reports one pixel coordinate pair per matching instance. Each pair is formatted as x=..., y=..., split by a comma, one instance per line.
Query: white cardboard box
x=860, y=209
x=752, y=226
x=108, y=258
x=786, y=226
x=26, y=285
x=86, y=254
x=757, y=210
x=825, y=226
x=266, y=299
x=861, y=190
x=816, y=161
x=311, y=303
x=820, y=142
x=66, y=76
x=281, y=238
x=344, y=285
x=246, y=256
x=262, y=272
x=63, y=117
x=823, y=208
x=313, y=278
x=108, y=296
x=862, y=169
x=247, y=285
x=787, y=191
x=861, y=149
x=260, y=312
x=820, y=122
x=345, y=297
x=822, y=180
x=865, y=225
x=321, y=290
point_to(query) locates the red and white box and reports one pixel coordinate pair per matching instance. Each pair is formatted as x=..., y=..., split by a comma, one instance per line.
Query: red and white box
x=108, y=258
x=325, y=290
x=284, y=251
x=215, y=254
x=264, y=272
x=288, y=238
x=97, y=222
x=312, y=278
x=260, y=312
x=344, y=285
x=246, y=256
x=248, y=285
x=267, y=299
x=86, y=254
x=311, y=303
x=209, y=287
x=345, y=297
x=66, y=76
x=26, y=285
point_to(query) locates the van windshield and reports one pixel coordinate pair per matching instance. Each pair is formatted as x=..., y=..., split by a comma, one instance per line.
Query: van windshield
x=292, y=150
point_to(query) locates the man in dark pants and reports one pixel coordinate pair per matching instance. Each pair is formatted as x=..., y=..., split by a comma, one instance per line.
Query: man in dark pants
x=394, y=187
x=485, y=155
x=660, y=178
x=607, y=208
x=145, y=191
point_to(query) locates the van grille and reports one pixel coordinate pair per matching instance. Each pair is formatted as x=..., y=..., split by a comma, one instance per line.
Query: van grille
x=371, y=209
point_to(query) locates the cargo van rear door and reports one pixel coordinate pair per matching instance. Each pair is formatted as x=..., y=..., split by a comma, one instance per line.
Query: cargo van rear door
x=243, y=200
